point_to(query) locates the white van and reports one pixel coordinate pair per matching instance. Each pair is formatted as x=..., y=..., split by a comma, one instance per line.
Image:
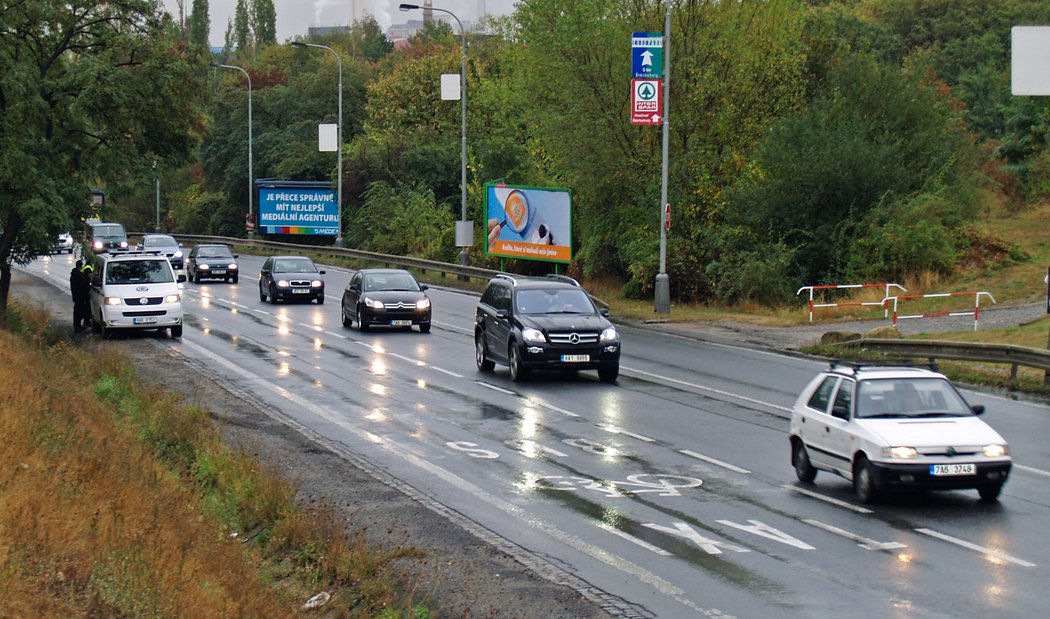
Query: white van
x=135, y=290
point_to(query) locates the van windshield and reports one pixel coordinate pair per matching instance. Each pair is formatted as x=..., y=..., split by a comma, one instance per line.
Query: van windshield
x=108, y=230
x=139, y=272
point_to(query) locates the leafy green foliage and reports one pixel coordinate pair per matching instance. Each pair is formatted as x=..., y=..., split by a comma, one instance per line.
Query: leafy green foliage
x=403, y=221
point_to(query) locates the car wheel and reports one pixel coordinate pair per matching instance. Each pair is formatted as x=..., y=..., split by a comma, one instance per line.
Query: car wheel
x=176, y=331
x=262, y=295
x=96, y=325
x=347, y=323
x=320, y=300
x=517, y=372
x=800, y=460
x=864, y=486
x=196, y=277
x=271, y=294
x=480, y=355
x=233, y=280
x=608, y=373
x=990, y=493
x=424, y=327
x=361, y=324
x=106, y=332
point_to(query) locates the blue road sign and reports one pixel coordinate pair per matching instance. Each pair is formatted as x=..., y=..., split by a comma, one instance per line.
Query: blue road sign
x=647, y=55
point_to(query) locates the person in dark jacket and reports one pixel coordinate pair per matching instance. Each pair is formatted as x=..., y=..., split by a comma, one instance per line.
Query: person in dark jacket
x=80, y=288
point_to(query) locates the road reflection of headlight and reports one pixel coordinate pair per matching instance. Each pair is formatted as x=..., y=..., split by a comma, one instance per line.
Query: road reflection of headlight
x=283, y=369
x=377, y=389
x=378, y=367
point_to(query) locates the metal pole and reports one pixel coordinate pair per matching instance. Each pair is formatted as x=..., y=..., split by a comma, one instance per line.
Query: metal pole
x=463, y=256
x=662, y=301
x=157, y=226
x=251, y=176
x=339, y=151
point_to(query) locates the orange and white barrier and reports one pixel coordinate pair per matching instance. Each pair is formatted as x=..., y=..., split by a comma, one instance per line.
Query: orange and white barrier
x=975, y=312
x=813, y=291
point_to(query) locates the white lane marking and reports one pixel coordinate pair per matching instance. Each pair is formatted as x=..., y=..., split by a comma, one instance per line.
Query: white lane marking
x=715, y=461
x=1032, y=469
x=494, y=387
x=551, y=407
x=1002, y=556
x=719, y=392
x=540, y=524
x=444, y=371
x=365, y=344
x=863, y=542
x=827, y=499
x=450, y=327
x=334, y=334
x=615, y=430
x=633, y=540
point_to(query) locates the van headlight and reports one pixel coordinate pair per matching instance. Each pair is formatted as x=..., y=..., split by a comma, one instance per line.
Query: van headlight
x=900, y=453
x=171, y=298
x=113, y=301
x=994, y=451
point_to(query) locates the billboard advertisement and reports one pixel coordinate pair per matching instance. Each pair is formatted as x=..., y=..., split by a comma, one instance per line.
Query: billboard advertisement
x=531, y=223
x=298, y=209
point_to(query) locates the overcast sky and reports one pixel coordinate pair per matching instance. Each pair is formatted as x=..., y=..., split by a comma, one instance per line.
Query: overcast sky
x=295, y=16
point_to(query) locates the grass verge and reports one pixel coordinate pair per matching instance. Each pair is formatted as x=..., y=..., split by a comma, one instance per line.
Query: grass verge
x=118, y=500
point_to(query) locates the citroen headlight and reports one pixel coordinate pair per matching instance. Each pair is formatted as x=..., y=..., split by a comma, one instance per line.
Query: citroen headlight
x=423, y=303
x=995, y=451
x=533, y=336
x=901, y=453
x=374, y=304
x=610, y=335
x=171, y=298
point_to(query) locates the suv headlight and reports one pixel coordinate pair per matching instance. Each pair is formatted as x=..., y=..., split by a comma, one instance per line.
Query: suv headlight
x=177, y=254
x=994, y=451
x=901, y=453
x=609, y=335
x=533, y=336
x=373, y=303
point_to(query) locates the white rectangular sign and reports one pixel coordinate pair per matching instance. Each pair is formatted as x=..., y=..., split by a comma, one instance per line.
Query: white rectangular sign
x=1030, y=60
x=327, y=138
x=450, y=86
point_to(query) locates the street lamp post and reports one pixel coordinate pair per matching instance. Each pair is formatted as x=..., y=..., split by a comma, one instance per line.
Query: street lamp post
x=463, y=115
x=251, y=186
x=339, y=151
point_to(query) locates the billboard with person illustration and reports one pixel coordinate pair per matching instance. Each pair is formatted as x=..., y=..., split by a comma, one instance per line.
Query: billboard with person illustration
x=531, y=223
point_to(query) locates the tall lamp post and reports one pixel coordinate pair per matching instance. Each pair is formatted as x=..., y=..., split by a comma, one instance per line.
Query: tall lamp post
x=339, y=151
x=463, y=116
x=251, y=186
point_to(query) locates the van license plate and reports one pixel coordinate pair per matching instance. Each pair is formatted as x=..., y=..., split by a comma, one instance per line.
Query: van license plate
x=948, y=470
x=575, y=358
x=147, y=320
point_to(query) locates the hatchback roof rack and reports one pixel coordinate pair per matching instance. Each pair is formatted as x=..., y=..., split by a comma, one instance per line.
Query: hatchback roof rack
x=857, y=366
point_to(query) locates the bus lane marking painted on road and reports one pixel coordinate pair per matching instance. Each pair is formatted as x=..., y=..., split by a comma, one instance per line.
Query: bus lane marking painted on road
x=597, y=553
x=664, y=485
x=863, y=542
x=990, y=552
x=715, y=461
x=472, y=449
x=828, y=499
x=634, y=540
x=532, y=449
x=762, y=529
x=708, y=545
x=702, y=388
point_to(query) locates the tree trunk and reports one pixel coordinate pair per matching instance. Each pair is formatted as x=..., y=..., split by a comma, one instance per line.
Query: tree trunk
x=5, y=287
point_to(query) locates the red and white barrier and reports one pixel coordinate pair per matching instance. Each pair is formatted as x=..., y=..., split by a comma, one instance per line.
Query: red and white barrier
x=886, y=295
x=975, y=312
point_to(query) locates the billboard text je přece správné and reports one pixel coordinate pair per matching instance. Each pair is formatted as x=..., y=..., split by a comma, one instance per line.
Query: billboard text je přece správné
x=298, y=211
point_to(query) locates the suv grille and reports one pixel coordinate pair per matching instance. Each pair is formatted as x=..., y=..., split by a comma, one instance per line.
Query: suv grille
x=573, y=338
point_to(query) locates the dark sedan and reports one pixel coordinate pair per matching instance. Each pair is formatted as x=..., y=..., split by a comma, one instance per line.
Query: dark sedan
x=386, y=297
x=290, y=277
x=212, y=262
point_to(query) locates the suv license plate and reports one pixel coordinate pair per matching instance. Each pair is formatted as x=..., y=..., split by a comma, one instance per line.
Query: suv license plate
x=947, y=470
x=400, y=323
x=575, y=358
x=147, y=320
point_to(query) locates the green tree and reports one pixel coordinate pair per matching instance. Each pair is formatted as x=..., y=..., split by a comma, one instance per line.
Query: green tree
x=200, y=25
x=371, y=42
x=265, y=23
x=90, y=92
x=242, y=26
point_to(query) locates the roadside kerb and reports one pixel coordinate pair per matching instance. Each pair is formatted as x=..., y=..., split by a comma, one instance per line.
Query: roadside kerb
x=932, y=350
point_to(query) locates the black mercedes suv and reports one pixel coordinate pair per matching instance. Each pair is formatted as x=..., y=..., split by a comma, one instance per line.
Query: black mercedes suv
x=543, y=323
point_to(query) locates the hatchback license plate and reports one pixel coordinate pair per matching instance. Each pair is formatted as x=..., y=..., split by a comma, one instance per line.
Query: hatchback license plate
x=300, y=290
x=575, y=358
x=218, y=271
x=147, y=320
x=400, y=323
x=948, y=470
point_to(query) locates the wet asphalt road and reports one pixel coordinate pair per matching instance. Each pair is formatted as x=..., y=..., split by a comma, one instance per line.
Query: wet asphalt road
x=670, y=490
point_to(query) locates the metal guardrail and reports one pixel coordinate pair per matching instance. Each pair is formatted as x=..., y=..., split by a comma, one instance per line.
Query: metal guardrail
x=1008, y=354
